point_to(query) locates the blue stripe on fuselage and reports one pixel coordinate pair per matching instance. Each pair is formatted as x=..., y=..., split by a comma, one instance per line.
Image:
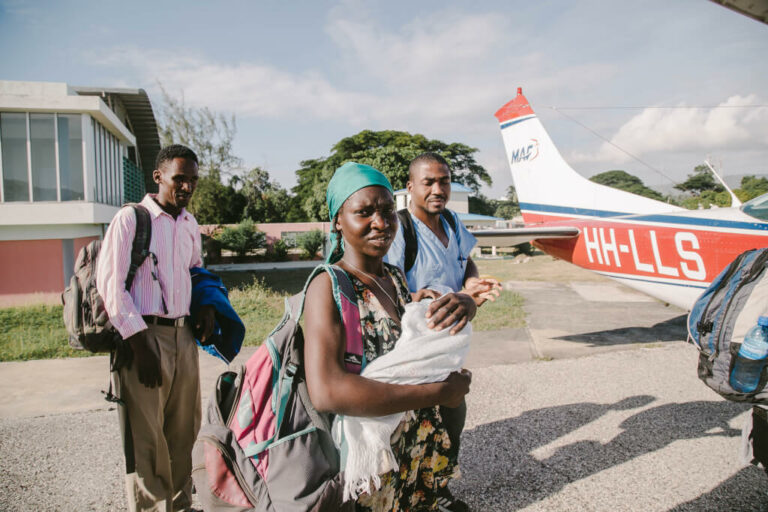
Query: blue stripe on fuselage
x=510, y=123
x=703, y=286
x=655, y=218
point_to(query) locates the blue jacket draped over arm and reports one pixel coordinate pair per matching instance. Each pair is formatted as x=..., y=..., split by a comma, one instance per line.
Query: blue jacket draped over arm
x=229, y=331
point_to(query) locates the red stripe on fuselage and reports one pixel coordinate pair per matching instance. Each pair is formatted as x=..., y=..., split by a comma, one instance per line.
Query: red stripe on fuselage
x=683, y=253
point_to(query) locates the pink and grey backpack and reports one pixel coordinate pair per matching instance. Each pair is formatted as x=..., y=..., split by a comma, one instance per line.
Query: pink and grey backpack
x=263, y=446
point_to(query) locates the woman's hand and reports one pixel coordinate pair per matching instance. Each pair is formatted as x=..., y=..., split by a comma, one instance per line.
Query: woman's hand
x=450, y=309
x=455, y=387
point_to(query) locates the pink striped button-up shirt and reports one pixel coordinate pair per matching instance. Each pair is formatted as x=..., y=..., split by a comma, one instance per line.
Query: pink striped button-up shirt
x=175, y=242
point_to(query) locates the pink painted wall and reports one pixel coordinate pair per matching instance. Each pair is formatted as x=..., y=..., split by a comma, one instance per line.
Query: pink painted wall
x=30, y=266
x=35, y=266
x=275, y=230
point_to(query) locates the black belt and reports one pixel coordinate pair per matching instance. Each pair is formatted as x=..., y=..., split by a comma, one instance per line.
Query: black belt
x=170, y=322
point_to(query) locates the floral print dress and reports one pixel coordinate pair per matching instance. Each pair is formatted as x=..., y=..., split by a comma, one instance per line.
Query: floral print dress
x=420, y=443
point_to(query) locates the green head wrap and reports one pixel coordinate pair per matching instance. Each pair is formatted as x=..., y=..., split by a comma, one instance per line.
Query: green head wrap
x=348, y=179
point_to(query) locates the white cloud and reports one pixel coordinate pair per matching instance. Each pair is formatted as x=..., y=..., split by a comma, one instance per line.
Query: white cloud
x=443, y=75
x=444, y=43
x=699, y=130
x=249, y=90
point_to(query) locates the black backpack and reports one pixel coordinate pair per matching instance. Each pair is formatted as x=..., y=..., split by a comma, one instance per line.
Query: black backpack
x=409, y=234
x=85, y=318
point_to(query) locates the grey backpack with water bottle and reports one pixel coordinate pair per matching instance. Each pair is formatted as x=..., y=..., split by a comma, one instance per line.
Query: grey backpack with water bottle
x=719, y=321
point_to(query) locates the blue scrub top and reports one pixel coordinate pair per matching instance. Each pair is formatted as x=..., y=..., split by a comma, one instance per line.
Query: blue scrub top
x=438, y=267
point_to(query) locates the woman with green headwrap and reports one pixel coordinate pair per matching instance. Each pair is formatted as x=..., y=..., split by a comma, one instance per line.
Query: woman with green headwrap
x=364, y=223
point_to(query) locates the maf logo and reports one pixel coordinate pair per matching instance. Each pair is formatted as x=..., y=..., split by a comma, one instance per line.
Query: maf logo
x=525, y=153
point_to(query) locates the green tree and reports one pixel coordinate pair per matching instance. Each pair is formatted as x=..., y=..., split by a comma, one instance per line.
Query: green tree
x=265, y=200
x=388, y=151
x=700, y=180
x=481, y=205
x=706, y=192
x=706, y=199
x=507, y=210
x=502, y=208
x=216, y=203
x=508, y=207
x=242, y=238
x=622, y=180
x=210, y=136
x=207, y=133
x=512, y=195
x=751, y=187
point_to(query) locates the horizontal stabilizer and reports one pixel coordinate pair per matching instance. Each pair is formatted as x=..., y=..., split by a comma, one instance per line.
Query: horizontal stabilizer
x=515, y=236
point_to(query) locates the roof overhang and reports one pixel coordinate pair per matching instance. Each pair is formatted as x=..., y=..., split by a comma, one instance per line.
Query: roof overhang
x=141, y=120
x=755, y=9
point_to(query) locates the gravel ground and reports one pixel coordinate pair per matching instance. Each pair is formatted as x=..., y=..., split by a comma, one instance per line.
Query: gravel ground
x=628, y=430
x=62, y=462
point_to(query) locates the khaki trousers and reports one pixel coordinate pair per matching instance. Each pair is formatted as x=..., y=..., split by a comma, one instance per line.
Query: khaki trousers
x=159, y=425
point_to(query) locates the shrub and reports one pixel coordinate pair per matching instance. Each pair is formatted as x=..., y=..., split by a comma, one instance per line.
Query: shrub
x=311, y=242
x=279, y=251
x=289, y=241
x=211, y=249
x=242, y=238
x=523, y=248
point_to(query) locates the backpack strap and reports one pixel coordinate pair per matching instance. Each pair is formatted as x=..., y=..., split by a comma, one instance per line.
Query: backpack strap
x=354, y=355
x=139, y=253
x=409, y=234
x=451, y=220
x=141, y=239
x=346, y=302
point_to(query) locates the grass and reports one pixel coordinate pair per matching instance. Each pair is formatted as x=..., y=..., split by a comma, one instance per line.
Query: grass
x=37, y=332
x=279, y=281
x=260, y=308
x=34, y=332
x=506, y=312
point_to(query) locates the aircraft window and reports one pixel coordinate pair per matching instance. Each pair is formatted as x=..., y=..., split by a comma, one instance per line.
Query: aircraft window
x=757, y=207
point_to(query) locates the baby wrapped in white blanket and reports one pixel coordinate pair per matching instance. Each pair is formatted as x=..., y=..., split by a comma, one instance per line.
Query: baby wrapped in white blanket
x=421, y=355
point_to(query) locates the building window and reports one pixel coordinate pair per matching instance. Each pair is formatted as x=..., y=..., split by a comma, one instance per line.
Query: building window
x=13, y=143
x=48, y=148
x=70, y=137
x=43, y=152
x=108, y=166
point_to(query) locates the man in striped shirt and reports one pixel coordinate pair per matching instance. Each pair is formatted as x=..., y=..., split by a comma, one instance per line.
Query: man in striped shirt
x=160, y=384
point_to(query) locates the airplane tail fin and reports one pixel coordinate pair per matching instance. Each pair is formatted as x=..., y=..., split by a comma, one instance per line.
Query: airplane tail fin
x=547, y=187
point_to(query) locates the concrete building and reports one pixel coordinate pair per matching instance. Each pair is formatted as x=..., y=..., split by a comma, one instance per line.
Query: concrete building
x=69, y=158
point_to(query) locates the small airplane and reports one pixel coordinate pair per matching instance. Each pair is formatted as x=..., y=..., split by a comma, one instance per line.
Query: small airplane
x=665, y=251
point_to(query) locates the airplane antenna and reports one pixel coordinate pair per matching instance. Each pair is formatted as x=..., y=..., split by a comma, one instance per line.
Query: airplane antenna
x=593, y=132
x=734, y=200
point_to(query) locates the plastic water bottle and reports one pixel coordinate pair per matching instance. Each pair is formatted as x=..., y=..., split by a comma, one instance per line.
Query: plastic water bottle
x=751, y=359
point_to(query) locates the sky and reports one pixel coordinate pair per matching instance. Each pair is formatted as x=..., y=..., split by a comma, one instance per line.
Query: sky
x=607, y=79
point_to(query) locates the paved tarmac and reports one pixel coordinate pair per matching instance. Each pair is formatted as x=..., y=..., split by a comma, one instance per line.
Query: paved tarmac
x=594, y=405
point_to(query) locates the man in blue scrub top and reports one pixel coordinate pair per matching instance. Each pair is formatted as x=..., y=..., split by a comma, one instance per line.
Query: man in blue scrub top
x=442, y=262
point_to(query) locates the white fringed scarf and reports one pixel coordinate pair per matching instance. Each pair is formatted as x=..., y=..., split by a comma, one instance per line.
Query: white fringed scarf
x=421, y=355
